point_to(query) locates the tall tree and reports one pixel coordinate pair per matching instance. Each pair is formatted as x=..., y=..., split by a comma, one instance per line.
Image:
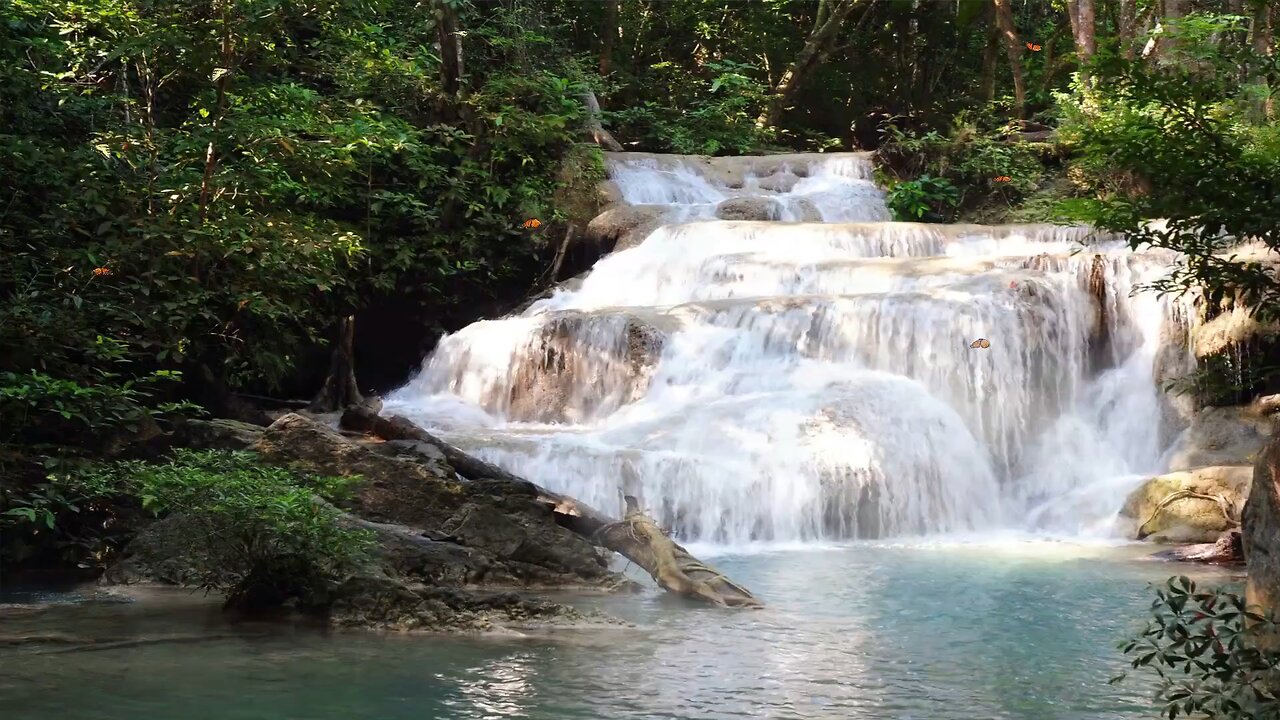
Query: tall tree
x=831, y=17
x=1013, y=49
x=608, y=34
x=1127, y=26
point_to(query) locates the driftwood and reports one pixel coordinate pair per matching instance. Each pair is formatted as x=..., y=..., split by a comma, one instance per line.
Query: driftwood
x=636, y=537
x=595, y=126
x=1223, y=504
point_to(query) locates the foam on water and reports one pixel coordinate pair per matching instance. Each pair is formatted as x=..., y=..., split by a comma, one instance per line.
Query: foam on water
x=782, y=382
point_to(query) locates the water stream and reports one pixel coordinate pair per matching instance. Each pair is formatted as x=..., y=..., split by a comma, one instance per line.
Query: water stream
x=783, y=381
x=930, y=524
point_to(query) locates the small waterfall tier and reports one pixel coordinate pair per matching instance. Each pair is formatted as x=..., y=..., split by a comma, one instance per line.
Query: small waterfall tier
x=813, y=375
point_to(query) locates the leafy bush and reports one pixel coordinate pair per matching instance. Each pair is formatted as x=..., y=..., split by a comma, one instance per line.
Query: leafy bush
x=926, y=198
x=1180, y=140
x=1212, y=658
x=974, y=160
x=259, y=534
x=704, y=118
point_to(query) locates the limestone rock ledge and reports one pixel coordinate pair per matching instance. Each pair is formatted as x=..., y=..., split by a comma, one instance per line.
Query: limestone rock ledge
x=449, y=553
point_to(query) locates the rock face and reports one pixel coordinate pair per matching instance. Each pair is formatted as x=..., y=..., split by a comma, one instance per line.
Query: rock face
x=1221, y=436
x=438, y=539
x=513, y=538
x=1261, y=530
x=623, y=226
x=1188, y=507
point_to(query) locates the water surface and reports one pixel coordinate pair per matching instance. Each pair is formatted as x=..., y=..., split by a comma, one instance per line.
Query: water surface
x=934, y=631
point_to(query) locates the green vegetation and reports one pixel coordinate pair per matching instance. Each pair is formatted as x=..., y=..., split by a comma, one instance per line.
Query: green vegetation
x=1211, y=658
x=926, y=198
x=260, y=535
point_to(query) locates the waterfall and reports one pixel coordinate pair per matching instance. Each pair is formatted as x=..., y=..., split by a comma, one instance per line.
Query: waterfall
x=792, y=381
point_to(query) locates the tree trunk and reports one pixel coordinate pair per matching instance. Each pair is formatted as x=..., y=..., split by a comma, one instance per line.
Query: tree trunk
x=608, y=34
x=595, y=127
x=816, y=49
x=340, y=388
x=989, y=56
x=1013, y=49
x=1263, y=44
x=636, y=537
x=1261, y=28
x=451, y=66
x=1127, y=27
x=1086, y=34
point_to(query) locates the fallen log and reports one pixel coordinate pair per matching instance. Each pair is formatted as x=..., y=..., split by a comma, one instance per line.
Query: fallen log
x=636, y=537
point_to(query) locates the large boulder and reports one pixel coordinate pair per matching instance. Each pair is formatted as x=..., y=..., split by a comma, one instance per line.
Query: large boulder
x=1221, y=436
x=624, y=226
x=1194, y=506
x=411, y=484
x=1261, y=530
x=749, y=207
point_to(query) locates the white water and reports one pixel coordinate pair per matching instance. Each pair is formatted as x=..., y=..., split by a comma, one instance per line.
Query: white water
x=780, y=381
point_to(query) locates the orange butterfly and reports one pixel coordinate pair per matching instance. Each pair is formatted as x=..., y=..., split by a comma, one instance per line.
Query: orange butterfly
x=532, y=224
x=980, y=343
x=1033, y=47
x=1002, y=179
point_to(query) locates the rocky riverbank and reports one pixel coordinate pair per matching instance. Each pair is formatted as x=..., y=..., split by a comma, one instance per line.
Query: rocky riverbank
x=448, y=554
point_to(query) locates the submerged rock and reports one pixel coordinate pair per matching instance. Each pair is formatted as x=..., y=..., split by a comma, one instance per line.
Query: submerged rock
x=1188, y=507
x=1227, y=550
x=749, y=208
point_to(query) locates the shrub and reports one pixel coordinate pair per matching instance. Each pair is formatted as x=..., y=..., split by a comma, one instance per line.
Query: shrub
x=1212, y=658
x=262, y=535
x=927, y=198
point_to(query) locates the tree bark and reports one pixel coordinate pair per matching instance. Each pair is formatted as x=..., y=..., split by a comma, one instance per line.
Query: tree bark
x=1261, y=28
x=340, y=388
x=636, y=537
x=451, y=65
x=1127, y=27
x=1013, y=49
x=608, y=34
x=1263, y=44
x=1086, y=34
x=816, y=48
x=989, y=56
x=595, y=127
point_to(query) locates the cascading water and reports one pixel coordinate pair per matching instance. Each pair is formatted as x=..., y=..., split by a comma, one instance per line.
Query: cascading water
x=801, y=380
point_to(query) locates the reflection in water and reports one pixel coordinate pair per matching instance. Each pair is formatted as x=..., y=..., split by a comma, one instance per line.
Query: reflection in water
x=499, y=688
x=882, y=631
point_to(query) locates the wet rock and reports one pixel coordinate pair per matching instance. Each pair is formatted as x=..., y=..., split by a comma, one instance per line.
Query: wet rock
x=1261, y=530
x=389, y=603
x=583, y=363
x=749, y=208
x=1227, y=550
x=780, y=182
x=624, y=226
x=412, y=485
x=608, y=193
x=1221, y=436
x=1188, y=507
x=1229, y=330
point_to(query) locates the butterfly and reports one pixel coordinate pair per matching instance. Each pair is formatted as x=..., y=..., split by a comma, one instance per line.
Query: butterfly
x=1002, y=179
x=532, y=224
x=980, y=343
x=1033, y=47
x=1013, y=285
